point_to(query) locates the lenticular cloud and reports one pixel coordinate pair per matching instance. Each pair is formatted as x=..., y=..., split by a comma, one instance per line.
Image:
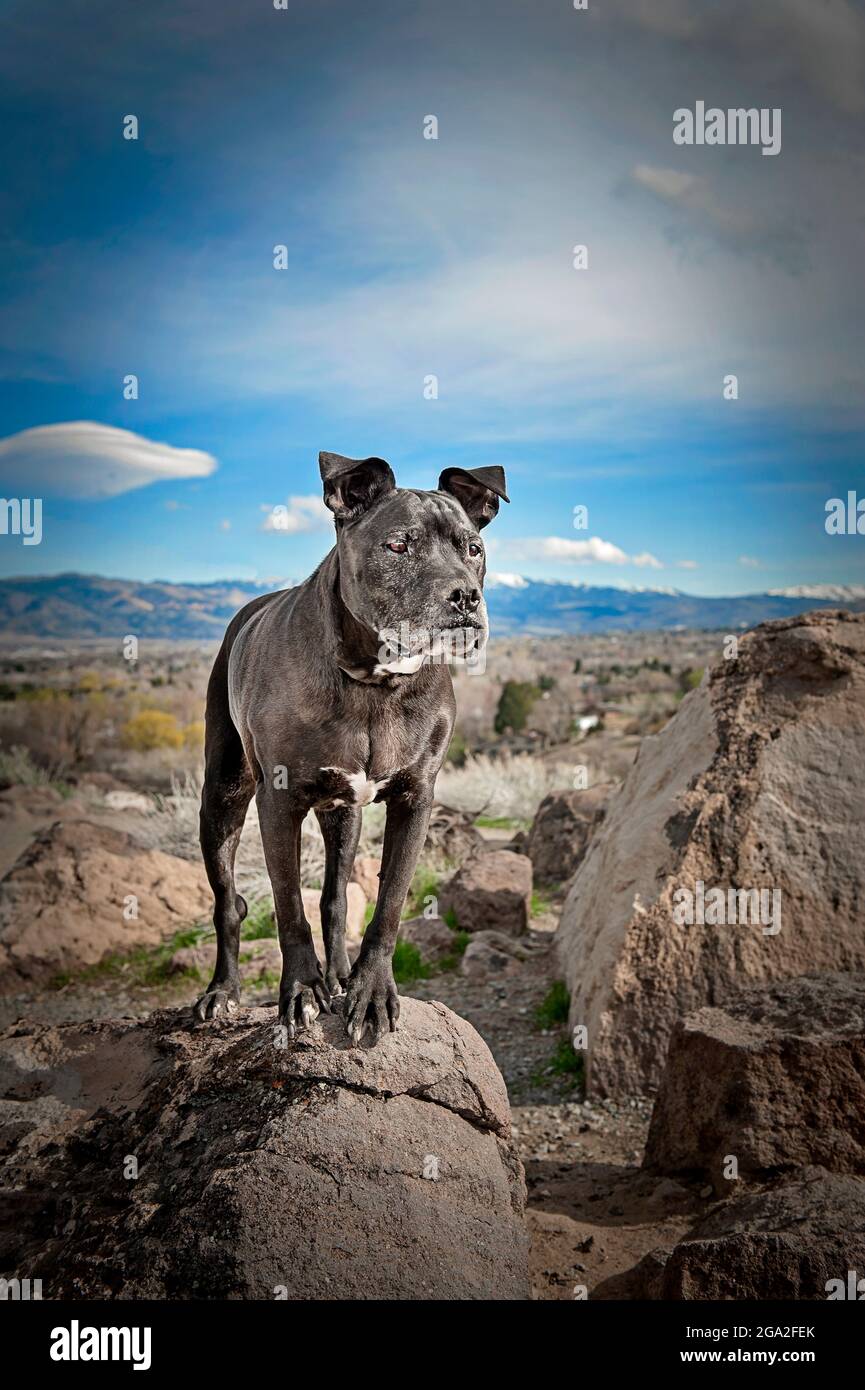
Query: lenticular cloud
x=84, y=459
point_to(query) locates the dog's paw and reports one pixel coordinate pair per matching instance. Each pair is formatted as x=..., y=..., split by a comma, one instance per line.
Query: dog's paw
x=303, y=994
x=371, y=1000
x=218, y=1002
x=338, y=972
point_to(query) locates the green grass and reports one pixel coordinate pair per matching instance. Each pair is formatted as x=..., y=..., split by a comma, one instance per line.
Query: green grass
x=553, y=1008
x=564, y=1063
x=368, y=914
x=408, y=964
x=568, y=1063
x=425, y=884
x=452, y=959
x=451, y=918
x=500, y=823
x=259, y=923
x=146, y=966
x=540, y=903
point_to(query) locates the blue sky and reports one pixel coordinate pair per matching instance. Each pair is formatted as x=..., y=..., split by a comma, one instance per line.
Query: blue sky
x=409, y=257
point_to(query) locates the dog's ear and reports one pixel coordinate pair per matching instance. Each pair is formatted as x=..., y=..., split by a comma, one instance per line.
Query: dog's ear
x=477, y=490
x=352, y=485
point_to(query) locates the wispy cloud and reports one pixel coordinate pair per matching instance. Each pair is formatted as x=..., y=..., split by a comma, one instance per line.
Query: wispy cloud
x=84, y=459
x=592, y=551
x=299, y=514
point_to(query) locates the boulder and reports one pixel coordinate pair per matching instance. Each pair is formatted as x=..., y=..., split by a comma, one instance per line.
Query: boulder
x=492, y=890
x=170, y=1160
x=799, y=1241
x=354, y=913
x=491, y=954
x=561, y=830
x=754, y=784
x=70, y=897
x=432, y=936
x=365, y=874
x=452, y=833
x=775, y=1078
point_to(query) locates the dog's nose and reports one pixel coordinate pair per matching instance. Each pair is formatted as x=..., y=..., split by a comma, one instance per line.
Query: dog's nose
x=464, y=600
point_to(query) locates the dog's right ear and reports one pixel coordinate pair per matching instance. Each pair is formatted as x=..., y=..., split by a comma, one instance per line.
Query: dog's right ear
x=352, y=485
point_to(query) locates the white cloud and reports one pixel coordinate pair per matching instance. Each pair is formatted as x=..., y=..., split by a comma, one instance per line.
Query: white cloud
x=505, y=580
x=688, y=565
x=591, y=551
x=749, y=562
x=84, y=459
x=671, y=184
x=307, y=513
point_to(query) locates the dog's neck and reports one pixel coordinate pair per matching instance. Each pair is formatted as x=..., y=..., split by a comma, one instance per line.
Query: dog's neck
x=357, y=647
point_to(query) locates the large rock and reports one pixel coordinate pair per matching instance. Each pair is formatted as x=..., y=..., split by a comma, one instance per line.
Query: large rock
x=432, y=936
x=756, y=783
x=799, y=1241
x=492, y=890
x=82, y=891
x=355, y=911
x=321, y=1169
x=776, y=1078
x=561, y=830
x=490, y=955
x=365, y=873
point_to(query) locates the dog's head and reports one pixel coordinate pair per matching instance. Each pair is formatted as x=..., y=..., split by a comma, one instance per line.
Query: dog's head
x=412, y=563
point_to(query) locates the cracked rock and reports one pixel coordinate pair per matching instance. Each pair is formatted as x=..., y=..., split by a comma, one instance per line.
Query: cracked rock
x=754, y=787
x=264, y=1169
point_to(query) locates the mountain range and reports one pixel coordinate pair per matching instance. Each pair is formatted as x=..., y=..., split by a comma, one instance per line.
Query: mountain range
x=88, y=606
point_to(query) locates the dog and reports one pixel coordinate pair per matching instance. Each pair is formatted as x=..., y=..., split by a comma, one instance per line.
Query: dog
x=309, y=709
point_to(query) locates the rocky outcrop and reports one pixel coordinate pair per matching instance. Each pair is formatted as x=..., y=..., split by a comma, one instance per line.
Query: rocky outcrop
x=561, y=830
x=774, y=1080
x=802, y=1240
x=169, y=1160
x=432, y=936
x=754, y=785
x=492, y=890
x=490, y=955
x=82, y=891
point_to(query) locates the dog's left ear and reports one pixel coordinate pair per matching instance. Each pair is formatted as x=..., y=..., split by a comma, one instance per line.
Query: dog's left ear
x=477, y=490
x=352, y=485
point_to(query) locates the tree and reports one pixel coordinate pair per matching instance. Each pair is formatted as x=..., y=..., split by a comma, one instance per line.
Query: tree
x=515, y=705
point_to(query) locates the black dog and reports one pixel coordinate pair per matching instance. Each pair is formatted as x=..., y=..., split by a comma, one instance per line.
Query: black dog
x=310, y=711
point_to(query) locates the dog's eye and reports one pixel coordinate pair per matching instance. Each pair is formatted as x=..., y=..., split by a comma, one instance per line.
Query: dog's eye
x=398, y=547
x=474, y=549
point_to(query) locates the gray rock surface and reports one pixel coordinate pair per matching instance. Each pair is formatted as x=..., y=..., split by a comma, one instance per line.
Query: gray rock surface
x=797, y=1241
x=775, y=1078
x=755, y=783
x=492, y=890
x=561, y=830
x=320, y=1169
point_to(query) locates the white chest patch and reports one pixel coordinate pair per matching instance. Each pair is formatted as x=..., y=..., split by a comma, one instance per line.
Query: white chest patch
x=364, y=789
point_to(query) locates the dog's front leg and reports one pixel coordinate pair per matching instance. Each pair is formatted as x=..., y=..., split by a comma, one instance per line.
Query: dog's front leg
x=340, y=831
x=371, y=998
x=302, y=991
